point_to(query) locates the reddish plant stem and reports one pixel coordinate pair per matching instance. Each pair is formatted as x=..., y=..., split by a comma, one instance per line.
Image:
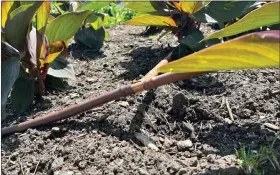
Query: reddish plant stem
x=123, y=91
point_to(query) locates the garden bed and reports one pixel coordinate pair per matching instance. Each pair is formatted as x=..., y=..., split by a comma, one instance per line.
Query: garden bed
x=103, y=140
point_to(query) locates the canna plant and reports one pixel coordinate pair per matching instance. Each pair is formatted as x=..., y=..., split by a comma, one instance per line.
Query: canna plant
x=91, y=33
x=33, y=49
x=184, y=18
x=238, y=53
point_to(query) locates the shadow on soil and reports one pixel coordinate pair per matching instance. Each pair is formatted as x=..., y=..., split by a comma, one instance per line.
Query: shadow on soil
x=143, y=59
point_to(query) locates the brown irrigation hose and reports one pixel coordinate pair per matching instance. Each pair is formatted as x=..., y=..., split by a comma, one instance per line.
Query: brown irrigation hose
x=123, y=91
x=154, y=71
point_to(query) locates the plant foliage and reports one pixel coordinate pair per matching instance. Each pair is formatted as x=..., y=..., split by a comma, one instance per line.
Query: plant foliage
x=32, y=40
x=184, y=20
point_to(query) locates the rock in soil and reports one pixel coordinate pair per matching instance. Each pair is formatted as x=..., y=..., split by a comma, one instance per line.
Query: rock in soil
x=183, y=145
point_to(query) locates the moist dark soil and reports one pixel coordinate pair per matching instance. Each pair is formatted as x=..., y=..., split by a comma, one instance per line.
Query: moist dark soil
x=109, y=139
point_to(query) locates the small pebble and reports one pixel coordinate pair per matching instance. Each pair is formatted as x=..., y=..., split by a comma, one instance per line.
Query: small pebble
x=173, y=168
x=123, y=104
x=182, y=145
x=64, y=173
x=271, y=126
x=74, y=95
x=183, y=171
x=228, y=121
x=146, y=141
x=142, y=171
x=188, y=126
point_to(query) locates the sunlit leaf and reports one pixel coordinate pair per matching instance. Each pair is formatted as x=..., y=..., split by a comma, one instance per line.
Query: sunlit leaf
x=266, y=15
x=16, y=27
x=256, y=50
x=6, y=7
x=55, y=49
x=151, y=21
x=42, y=16
x=98, y=23
x=95, y=5
x=189, y=7
x=10, y=66
x=42, y=45
x=65, y=26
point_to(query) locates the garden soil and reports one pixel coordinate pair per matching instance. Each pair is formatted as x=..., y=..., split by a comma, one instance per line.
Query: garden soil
x=179, y=128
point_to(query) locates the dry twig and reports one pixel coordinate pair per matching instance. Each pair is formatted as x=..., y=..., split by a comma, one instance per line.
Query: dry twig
x=229, y=110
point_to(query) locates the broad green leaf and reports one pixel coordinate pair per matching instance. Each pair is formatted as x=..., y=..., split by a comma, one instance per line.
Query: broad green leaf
x=94, y=6
x=23, y=93
x=193, y=39
x=10, y=66
x=266, y=15
x=61, y=68
x=224, y=11
x=16, y=27
x=90, y=38
x=42, y=16
x=65, y=26
x=256, y=50
x=151, y=21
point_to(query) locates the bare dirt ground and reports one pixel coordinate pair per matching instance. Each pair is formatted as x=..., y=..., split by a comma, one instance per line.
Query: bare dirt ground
x=105, y=140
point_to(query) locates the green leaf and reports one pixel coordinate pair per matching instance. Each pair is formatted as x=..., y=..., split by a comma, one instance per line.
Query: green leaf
x=65, y=26
x=22, y=93
x=256, y=50
x=62, y=68
x=151, y=21
x=193, y=39
x=16, y=27
x=268, y=13
x=9, y=72
x=224, y=11
x=95, y=5
x=90, y=37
